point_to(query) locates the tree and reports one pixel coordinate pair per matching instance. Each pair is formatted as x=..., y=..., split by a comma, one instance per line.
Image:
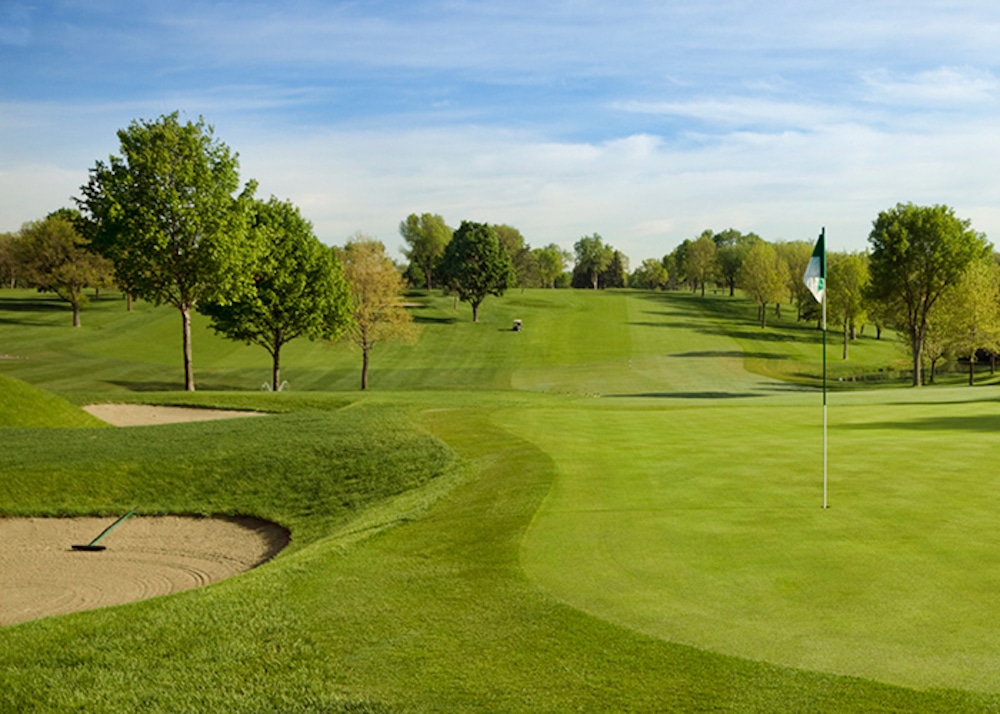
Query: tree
x=475, y=265
x=165, y=213
x=376, y=289
x=731, y=248
x=552, y=261
x=796, y=255
x=918, y=252
x=847, y=281
x=298, y=287
x=592, y=257
x=762, y=275
x=651, y=275
x=427, y=235
x=970, y=313
x=54, y=257
x=701, y=265
x=10, y=265
x=616, y=274
x=521, y=256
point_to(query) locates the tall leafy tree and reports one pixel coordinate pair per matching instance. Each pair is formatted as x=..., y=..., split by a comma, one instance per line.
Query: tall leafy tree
x=475, y=265
x=376, y=289
x=10, y=266
x=53, y=256
x=847, y=281
x=762, y=276
x=701, y=265
x=593, y=257
x=731, y=247
x=427, y=235
x=523, y=259
x=552, y=261
x=616, y=274
x=917, y=253
x=970, y=312
x=167, y=213
x=651, y=275
x=796, y=255
x=297, y=290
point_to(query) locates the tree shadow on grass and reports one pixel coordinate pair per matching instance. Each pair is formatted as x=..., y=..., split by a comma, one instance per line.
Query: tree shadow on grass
x=987, y=424
x=685, y=395
x=424, y=319
x=732, y=354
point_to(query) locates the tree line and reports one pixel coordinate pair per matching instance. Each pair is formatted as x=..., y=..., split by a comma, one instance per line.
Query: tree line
x=926, y=273
x=167, y=220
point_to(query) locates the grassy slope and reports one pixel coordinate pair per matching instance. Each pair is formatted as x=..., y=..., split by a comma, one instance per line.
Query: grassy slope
x=436, y=613
x=24, y=405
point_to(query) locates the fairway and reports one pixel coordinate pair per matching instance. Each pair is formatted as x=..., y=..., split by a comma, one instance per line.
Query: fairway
x=617, y=509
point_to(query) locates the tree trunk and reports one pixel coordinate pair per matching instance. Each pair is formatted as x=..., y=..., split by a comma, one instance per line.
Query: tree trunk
x=76, y=312
x=276, y=369
x=128, y=302
x=918, y=350
x=188, y=366
x=846, y=340
x=703, y=288
x=475, y=311
x=763, y=316
x=972, y=370
x=364, y=367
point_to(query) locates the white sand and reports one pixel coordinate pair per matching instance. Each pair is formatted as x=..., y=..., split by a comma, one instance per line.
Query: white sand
x=146, y=414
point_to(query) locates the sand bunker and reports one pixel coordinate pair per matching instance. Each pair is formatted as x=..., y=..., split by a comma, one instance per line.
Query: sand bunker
x=147, y=414
x=41, y=575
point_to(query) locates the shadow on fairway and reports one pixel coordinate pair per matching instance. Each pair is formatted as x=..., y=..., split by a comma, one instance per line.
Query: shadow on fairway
x=732, y=353
x=685, y=395
x=423, y=319
x=985, y=424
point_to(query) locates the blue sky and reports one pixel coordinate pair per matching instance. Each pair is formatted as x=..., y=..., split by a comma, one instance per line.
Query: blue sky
x=646, y=122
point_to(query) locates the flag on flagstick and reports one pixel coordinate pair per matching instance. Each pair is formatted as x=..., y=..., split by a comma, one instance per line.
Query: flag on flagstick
x=815, y=280
x=815, y=275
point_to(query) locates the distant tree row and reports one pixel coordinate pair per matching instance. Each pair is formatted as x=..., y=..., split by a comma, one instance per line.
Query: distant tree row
x=427, y=238
x=927, y=274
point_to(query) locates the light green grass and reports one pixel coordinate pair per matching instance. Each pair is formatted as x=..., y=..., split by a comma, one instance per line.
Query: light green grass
x=23, y=405
x=614, y=510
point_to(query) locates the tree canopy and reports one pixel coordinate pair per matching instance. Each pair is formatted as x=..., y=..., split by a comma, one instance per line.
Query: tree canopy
x=376, y=289
x=427, y=235
x=762, y=275
x=165, y=212
x=475, y=265
x=53, y=256
x=298, y=287
x=593, y=257
x=918, y=252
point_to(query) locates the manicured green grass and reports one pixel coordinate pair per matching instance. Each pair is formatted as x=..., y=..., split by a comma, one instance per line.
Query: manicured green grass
x=23, y=405
x=605, y=512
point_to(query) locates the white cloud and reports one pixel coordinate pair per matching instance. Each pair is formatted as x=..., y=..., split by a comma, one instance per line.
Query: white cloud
x=951, y=87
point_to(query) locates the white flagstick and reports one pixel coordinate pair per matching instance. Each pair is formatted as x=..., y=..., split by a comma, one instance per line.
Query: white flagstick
x=825, y=504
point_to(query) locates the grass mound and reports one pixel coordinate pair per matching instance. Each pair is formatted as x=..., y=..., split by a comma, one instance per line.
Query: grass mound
x=22, y=405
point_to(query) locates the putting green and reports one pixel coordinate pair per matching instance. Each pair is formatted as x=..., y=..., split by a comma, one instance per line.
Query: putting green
x=703, y=525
